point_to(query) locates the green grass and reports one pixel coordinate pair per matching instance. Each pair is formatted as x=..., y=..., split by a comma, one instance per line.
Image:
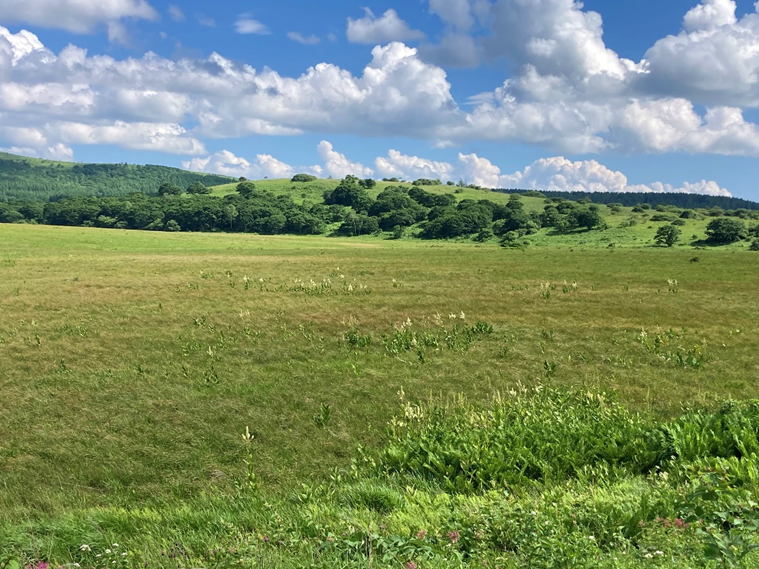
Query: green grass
x=133, y=362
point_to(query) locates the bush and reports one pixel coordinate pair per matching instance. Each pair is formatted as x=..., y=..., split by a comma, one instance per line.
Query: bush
x=754, y=245
x=303, y=178
x=427, y=182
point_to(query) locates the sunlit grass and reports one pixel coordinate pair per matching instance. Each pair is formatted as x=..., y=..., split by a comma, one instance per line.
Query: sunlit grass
x=133, y=361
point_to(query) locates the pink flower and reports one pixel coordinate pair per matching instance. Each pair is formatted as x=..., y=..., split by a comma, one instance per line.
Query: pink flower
x=679, y=523
x=453, y=536
x=421, y=535
x=410, y=565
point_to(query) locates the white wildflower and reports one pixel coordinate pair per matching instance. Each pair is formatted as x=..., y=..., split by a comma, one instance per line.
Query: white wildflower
x=85, y=547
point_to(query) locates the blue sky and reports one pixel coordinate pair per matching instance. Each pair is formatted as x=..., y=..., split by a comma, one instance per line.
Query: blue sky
x=547, y=94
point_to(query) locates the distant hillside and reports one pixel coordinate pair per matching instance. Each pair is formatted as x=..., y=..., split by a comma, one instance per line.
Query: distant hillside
x=44, y=180
x=686, y=201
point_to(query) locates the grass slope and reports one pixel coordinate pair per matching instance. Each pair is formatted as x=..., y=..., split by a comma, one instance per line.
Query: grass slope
x=133, y=361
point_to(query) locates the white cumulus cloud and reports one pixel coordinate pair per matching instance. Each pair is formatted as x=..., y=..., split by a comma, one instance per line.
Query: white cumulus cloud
x=397, y=165
x=228, y=164
x=562, y=175
x=337, y=165
x=373, y=30
x=76, y=16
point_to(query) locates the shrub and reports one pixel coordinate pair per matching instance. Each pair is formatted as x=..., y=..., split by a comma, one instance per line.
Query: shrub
x=754, y=245
x=427, y=182
x=303, y=178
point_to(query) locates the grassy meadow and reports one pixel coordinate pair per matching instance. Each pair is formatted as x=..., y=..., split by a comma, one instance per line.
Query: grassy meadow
x=133, y=362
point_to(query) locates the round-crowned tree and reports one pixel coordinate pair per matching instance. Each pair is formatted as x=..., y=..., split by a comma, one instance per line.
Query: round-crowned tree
x=668, y=235
x=725, y=230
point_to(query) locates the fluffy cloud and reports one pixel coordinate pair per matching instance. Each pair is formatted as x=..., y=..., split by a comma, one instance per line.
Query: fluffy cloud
x=372, y=30
x=397, y=165
x=228, y=164
x=337, y=165
x=75, y=16
x=560, y=174
x=713, y=61
x=710, y=14
x=569, y=92
x=168, y=138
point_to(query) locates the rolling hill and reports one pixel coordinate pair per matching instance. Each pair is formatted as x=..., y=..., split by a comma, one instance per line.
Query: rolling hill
x=24, y=178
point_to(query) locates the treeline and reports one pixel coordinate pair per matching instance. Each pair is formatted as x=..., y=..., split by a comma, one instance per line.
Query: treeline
x=441, y=217
x=30, y=179
x=685, y=201
x=349, y=210
x=259, y=212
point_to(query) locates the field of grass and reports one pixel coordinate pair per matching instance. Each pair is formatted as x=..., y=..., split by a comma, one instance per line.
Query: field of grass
x=134, y=361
